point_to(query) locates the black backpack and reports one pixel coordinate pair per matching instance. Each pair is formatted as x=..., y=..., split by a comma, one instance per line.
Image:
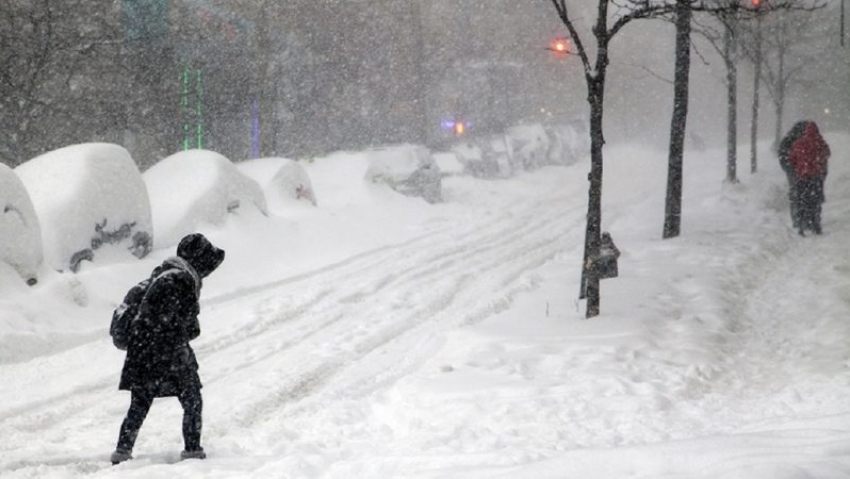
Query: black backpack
x=122, y=318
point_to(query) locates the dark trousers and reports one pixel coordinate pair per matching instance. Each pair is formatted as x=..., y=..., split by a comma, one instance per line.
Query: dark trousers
x=140, y=404
x=793, y=201
x=809, y=196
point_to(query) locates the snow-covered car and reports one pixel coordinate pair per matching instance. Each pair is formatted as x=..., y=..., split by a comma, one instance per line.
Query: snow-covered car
x=449, y=163
x=283, y=180
x=529, y=146
x=486, y=157
x=195, y=187
x=20, y=233
x=568, y=142
x=88, y=196
x=408, y=169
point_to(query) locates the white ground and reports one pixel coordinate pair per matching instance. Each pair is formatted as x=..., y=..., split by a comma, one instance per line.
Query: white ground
x=378, y=336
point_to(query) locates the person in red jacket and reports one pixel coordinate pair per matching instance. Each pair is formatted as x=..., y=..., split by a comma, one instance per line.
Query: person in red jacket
x=807, y=159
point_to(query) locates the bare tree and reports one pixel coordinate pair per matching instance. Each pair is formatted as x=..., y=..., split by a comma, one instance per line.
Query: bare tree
x=47, y=51
x=730, y=12
x=594, y=74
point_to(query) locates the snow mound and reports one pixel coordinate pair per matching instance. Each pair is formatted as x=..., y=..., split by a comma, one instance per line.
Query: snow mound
x=196, y=187
x=408, y=169
x=87, y=196
x=282, y=179
x=20, y=233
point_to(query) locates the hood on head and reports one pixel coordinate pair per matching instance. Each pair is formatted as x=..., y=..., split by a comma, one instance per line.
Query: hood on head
x=197, y=250
x=812, y=128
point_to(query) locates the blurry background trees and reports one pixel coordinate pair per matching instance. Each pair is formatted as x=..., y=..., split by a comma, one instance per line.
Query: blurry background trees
x=304, y=77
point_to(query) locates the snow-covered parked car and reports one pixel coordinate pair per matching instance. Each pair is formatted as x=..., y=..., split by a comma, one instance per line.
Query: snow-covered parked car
x=408, y=169
x=529, y=146
x=283, y=180
x=487, y=157
x=20, y=233
x=196, y=187
x=88, y=196
x=567, y=142
x=449, y=163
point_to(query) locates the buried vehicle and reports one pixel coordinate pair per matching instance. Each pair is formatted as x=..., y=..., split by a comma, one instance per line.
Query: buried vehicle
x=284, y=181
x=20, y=233
x=196, y=187
x=408, y=169
x=88, y=196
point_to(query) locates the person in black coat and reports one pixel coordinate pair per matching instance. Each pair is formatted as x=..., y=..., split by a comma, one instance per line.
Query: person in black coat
x=784, y=162
x=160, y=362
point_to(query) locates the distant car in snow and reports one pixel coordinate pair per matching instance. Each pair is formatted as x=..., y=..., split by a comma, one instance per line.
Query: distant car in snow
x=449, y=163
x=195, y=187
x=20, y=233
x=529, y=146
x=88, y=196
x=485, y=157
x=408, y=169
x=568, y=142
x=283, y=180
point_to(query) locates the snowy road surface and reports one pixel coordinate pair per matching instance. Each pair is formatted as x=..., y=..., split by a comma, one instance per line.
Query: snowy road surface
x=453, y=347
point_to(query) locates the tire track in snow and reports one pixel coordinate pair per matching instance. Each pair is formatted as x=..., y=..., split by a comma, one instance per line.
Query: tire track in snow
x=441, y=309
x=320, y=317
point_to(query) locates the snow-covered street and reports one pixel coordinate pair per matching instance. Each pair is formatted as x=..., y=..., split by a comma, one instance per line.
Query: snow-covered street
x=379, y=336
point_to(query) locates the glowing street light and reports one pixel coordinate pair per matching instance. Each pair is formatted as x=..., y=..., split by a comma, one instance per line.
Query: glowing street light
x=560, y=45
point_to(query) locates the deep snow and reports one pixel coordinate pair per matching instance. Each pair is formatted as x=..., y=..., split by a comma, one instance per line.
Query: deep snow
x=379, y=336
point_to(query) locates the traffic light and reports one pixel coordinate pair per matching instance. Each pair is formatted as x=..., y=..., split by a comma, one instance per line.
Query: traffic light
x=561, y=45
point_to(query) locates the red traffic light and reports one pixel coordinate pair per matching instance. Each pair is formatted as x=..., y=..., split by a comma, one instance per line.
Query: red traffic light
x=756, y=3
x=560, y=45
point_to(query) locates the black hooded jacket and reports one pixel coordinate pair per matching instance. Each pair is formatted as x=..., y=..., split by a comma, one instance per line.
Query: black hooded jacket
x=158, y=353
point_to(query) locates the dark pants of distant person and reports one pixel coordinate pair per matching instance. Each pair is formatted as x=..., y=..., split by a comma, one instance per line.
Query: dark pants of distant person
x=809, y=204
x=793, y=202
x=140, y=404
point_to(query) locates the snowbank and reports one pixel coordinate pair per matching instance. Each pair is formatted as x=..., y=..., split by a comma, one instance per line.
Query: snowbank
x=408, y=169
x=196, y=187
x=283, y=180
x=87, y=196
x=20, y=233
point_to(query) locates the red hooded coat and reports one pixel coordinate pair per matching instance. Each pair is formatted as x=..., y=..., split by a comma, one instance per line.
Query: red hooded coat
x=809, y=154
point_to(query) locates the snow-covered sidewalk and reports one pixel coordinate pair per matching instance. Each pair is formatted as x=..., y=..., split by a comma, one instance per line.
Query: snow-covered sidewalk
x=451, y=344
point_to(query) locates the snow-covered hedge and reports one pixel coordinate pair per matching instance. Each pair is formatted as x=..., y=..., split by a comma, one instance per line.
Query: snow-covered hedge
x=282, y=179
x=195, y=187
x=87, y=196
x=20, y=233
x=408, y=169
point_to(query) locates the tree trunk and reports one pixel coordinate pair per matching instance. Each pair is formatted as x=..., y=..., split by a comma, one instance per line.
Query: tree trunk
x=779, y=100
x=754, y=125
x=731, y=106
x=594, y=204
x=673, y=204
